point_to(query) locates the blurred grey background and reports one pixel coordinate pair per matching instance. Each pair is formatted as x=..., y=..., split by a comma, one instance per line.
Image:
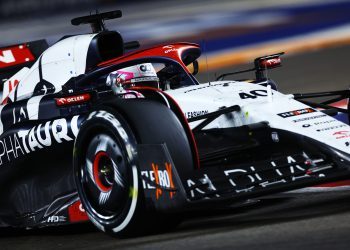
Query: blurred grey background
x=315, y=34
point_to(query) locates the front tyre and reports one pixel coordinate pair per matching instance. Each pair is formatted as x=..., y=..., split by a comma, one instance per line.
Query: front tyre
x=106, y=174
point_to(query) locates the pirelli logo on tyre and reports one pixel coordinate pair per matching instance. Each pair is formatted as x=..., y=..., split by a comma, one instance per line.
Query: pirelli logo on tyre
x=297, y=112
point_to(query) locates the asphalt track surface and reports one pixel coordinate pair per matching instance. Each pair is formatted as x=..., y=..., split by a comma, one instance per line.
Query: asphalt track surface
x=304, y=221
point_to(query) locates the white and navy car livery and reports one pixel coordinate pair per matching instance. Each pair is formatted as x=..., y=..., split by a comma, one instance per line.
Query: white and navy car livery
x=129, y=158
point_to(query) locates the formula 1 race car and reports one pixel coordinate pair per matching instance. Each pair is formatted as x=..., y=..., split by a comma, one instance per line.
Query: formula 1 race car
x=93, y=128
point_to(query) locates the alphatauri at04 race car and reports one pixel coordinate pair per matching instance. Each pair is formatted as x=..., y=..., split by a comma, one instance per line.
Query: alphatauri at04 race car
x=93, y=128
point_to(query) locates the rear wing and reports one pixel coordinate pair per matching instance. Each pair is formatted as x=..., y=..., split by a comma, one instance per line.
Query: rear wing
x=14, y=57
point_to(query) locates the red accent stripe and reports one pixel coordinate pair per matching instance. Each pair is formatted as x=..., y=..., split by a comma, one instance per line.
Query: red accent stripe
x=168, y=168
x=335, y=184
x=195, y=148
x=155, y=51
x=77, y=213
x=341, y=104
x=5, y=101
x=12, y=85
x=156, y=176
x=181, y=116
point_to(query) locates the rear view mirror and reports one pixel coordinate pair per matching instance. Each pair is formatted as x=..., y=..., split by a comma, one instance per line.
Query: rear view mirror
x=195, y=68
x=268, y=62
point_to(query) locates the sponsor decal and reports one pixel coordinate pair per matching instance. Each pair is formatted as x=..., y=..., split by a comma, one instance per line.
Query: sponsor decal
x=204, y=181
x=192, y=114
x=321, y=123
x=70, y=100
x=19, y=114
x=297, y=112
x=250, y=177
x=143, y=79
x=331, y=128
x=163, y=178
x=325, y=122
x=307, y=125
x=256, y=177
x=146, y=68
x=15, y=55
x=77, y=213
x=253, y=94
x=38, y=137
x=309, y=118
x=342, y=134
x=56, y=219
x=169, y=48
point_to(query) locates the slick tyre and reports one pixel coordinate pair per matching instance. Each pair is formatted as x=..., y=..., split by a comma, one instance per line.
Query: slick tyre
x=106, y=170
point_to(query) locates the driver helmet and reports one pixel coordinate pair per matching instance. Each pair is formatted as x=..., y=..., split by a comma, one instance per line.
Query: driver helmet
x=141, y=75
